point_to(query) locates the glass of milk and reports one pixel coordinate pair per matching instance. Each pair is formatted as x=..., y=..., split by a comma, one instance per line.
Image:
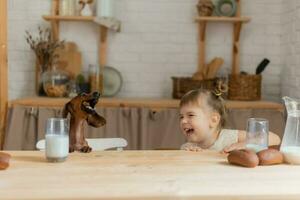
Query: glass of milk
x=257, y=137
x=57, y=139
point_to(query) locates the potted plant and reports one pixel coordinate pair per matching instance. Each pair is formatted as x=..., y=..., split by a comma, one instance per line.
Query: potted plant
x=44, y=47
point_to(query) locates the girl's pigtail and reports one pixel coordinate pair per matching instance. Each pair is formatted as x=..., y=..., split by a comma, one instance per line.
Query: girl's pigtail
x=220, y=88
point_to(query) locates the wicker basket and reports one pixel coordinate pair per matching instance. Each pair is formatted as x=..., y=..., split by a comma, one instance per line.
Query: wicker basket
x=182, y=85
x=244, y=87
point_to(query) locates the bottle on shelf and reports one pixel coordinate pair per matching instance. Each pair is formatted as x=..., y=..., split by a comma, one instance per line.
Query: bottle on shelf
x=94, y=78
x=67, y=7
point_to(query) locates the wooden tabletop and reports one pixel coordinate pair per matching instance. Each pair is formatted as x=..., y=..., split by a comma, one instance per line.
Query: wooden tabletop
x=136, y=102
x=144, y=175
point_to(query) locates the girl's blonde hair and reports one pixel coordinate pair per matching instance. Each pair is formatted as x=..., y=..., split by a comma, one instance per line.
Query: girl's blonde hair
x=213, y=98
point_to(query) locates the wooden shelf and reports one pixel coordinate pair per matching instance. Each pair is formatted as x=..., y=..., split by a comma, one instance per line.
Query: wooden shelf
x=223, y=19
x=237, y=22
x=68, y=18
x=140, y=103
x=103, y=23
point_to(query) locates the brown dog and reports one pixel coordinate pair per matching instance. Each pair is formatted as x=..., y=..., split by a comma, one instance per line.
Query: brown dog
x=81, y=109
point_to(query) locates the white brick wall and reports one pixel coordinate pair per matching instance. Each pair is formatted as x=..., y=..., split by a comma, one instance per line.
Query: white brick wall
x=290, y=49
x=158, y=40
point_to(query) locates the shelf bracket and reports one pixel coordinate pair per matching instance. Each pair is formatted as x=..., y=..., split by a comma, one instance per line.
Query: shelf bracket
x=102, y=53
x=237, y=31
x=54, y=23
x=236, y=48
x=55, y=7
x=201, y=62
x=109, y=22
x=103, y=45
x=55, y=29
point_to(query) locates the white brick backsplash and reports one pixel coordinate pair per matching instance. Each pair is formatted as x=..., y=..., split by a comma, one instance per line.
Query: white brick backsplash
x=126, y=57
x=159, y=39
x=290, y=44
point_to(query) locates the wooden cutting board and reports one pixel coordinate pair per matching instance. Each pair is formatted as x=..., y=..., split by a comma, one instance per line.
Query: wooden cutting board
x=70, y=59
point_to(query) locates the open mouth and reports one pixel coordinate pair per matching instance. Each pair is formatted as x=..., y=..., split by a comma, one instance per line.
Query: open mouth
x=89, y=105
x=188, y=131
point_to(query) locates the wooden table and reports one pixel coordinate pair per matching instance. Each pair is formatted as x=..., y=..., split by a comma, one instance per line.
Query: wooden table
x=144, y=175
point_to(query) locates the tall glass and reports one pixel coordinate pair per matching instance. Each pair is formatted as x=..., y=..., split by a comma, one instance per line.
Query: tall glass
x=57, y=139
x=94, y=78
x=257, y=138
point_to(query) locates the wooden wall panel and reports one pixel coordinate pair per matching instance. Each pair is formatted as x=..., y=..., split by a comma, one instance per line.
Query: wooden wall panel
x=3, y=68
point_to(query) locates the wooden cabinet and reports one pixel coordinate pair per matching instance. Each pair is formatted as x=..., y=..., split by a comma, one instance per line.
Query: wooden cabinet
x=3, y=68
x=237, y=22
x=113, y=24
x=144, y=123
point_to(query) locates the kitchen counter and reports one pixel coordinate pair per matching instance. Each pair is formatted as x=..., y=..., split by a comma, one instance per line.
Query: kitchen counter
x=138, y=102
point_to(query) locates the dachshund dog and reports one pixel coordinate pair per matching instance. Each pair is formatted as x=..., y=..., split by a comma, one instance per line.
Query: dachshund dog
x=81, y=109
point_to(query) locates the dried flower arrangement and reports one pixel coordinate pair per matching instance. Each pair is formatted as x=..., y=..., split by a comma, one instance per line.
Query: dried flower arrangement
x=44, y=47
x=205, y=7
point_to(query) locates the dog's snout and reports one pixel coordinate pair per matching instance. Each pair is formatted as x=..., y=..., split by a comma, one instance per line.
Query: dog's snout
x=96, y=95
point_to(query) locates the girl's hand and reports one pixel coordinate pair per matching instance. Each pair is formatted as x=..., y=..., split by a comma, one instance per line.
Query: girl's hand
x=234, y=146
x=191, y=147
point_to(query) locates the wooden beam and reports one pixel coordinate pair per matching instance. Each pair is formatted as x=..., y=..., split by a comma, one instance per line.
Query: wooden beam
x=3, y=69
x=236, y=48
x=55, y=7
x=55, y=29
x=68, y=18
x=199, y=74
x=238, y=10
x=202, y=30
x=237, y=31
x=102, y=54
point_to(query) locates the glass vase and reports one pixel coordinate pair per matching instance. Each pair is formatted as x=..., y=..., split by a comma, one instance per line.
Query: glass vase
x=55, y=83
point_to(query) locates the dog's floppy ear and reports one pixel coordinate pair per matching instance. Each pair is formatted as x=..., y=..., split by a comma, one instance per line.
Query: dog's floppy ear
x=96, y=120
x=67, y=109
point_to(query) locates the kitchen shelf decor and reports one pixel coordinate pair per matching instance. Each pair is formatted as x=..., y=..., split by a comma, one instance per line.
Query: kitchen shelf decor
x=237, y=22
x=226, y=8
x=104, y=23
x=201, y=78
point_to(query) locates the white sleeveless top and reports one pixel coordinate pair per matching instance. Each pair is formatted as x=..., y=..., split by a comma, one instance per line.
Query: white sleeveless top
x=226, y=138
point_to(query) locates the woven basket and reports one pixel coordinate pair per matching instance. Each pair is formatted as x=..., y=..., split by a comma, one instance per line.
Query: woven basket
x=182, y=85
x=244, y=87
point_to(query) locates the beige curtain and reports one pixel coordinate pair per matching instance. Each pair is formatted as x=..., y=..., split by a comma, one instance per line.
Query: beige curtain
x=143, y=128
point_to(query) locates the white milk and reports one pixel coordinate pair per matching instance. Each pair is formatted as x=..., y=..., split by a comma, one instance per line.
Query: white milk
x=57, y=147
x=291, y=154
x=255, y=147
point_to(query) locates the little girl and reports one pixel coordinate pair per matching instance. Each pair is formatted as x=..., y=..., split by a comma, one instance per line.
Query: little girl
x=202, y=118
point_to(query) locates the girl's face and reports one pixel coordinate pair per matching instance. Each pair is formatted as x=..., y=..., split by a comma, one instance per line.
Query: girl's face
x=195, y=122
